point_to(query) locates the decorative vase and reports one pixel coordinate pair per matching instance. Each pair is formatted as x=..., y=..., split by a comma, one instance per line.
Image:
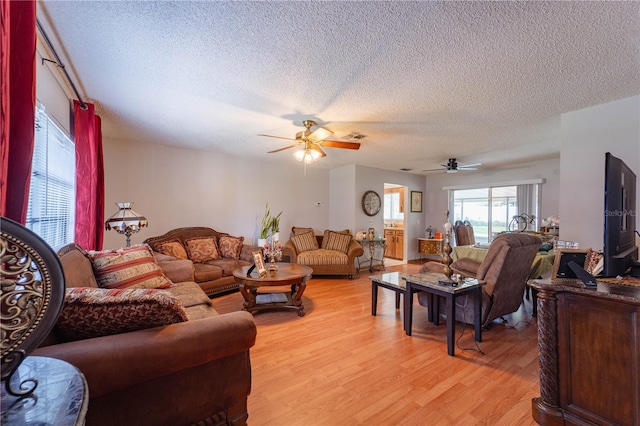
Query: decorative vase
x=262, y=242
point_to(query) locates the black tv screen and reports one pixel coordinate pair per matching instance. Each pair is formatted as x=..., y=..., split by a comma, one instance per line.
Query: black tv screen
x=620, y=211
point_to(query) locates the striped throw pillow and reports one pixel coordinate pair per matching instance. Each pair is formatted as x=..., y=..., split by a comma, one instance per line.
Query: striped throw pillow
x=305, y=242
x=132, y=267
x=338, y=241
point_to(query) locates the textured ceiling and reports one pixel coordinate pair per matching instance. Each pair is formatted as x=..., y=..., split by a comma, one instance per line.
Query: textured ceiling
x=425, y=81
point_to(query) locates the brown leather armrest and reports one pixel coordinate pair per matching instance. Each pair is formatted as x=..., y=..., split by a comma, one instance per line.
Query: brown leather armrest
x=354, y=250
x=466, y=266
x=289, y=249
x=247, y=252
x=115, y=362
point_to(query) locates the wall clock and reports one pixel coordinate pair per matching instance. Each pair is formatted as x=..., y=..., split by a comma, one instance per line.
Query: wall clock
x=371, y=203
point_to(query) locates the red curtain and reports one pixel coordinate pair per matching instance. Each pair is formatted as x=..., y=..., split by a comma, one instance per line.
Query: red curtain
x=17, y=116
x=89, y=232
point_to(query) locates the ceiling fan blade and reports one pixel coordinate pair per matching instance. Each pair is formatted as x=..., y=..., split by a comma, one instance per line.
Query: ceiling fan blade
x=281, y=149
x=319, y=134
x=319, y=150
x=466, y=166
x=340, y=144
x=277, y=137
x=433, y=170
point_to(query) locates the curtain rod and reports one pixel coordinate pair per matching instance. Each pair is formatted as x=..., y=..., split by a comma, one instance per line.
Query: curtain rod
x=59, y=63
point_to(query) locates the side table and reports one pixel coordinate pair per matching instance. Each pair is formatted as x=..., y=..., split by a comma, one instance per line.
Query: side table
x=60, y=398
x=392, y=281
x=428, y=282
x=373, y=245
x=430, y=247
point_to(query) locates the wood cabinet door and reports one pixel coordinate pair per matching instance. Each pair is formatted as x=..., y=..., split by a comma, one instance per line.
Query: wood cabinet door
x=399, y=245
x=391, y=242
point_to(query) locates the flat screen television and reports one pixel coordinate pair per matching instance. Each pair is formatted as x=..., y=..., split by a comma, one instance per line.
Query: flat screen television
x=620, y=211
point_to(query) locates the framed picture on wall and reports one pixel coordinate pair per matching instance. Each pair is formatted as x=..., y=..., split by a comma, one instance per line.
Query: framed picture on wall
x=416, y=201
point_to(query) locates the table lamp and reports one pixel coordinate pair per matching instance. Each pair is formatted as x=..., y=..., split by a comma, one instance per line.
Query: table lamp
x=126, y=221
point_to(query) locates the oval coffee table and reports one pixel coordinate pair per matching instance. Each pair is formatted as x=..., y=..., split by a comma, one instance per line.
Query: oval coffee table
x=288, y=274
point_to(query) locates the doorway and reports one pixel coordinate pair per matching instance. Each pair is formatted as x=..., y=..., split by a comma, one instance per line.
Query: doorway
x=394, y=208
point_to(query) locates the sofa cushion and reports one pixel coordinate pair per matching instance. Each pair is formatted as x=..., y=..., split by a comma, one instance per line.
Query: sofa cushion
x=78, y=271
x=228, y=265
x=322, y=257
x=202, y=249
x=93, y=312
x=189, y=293
x=305, y=242
x=133, y=267
x=230, y=246
x=334, y=240
x=297, y=230
x=173, y=248
x=205, y=272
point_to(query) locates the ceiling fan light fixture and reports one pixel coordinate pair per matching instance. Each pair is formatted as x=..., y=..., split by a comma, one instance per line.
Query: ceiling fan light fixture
x=306, y=155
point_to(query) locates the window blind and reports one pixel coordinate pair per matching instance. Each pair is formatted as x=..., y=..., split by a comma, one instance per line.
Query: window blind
x=51, y=209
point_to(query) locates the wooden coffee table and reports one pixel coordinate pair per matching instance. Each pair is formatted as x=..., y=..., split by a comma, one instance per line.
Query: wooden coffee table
x=288, y=274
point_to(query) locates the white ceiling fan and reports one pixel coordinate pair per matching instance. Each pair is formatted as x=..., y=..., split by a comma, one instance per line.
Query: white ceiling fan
x=453, y=167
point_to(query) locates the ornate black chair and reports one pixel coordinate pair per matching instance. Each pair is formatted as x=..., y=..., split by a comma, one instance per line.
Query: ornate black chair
x=32, y=284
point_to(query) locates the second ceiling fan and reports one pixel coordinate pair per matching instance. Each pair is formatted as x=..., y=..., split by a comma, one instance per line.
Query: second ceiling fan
x=311, y=143
x=453, y=167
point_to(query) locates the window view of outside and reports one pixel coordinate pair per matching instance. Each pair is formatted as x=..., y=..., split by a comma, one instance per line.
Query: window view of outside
x=489, y=210
x=51, y=210
x=392, y=207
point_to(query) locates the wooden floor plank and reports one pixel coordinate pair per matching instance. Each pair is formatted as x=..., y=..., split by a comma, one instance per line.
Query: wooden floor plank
x=339, y=365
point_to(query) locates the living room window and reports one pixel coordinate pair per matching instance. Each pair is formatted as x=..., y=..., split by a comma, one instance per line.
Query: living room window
x=51, y=209
x=491, y=209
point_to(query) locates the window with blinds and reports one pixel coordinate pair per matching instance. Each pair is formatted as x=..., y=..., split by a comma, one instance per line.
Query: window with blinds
x=51, y=210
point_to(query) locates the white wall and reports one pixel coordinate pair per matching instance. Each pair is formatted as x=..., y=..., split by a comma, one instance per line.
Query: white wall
x=343, y=192
x=369, y=178
x=176, y=187
x=587, y=135
x=437, y=198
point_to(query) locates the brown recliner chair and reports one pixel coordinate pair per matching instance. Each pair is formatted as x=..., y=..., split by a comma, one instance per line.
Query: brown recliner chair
x=506, y=269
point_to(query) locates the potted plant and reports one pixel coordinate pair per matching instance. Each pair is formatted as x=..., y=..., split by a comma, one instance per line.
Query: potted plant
x=265, y=226
x=275, y=227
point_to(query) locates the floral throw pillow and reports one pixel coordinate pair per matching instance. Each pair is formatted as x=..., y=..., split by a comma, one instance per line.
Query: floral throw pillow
x=203, y=249
x=132, y=267
x=93, y=312
x=230, y=246
x=173, y=248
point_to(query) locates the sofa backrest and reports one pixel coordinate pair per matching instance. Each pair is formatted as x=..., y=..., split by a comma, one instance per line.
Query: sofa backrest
x=77, y=268
x=183, y=234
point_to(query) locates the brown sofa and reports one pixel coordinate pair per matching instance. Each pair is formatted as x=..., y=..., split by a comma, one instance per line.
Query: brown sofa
x=321, y=260
x=192, y=372
x=214, y=276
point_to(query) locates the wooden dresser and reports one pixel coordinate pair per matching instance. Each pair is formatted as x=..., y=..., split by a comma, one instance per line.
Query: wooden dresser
x=589, y=343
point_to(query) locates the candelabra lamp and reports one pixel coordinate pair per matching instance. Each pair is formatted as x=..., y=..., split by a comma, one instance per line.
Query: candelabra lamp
x=126, y=221
x=273, y=252
x=446, y=258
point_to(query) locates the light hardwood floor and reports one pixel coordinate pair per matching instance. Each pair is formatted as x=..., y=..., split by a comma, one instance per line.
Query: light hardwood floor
x=339, y=365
